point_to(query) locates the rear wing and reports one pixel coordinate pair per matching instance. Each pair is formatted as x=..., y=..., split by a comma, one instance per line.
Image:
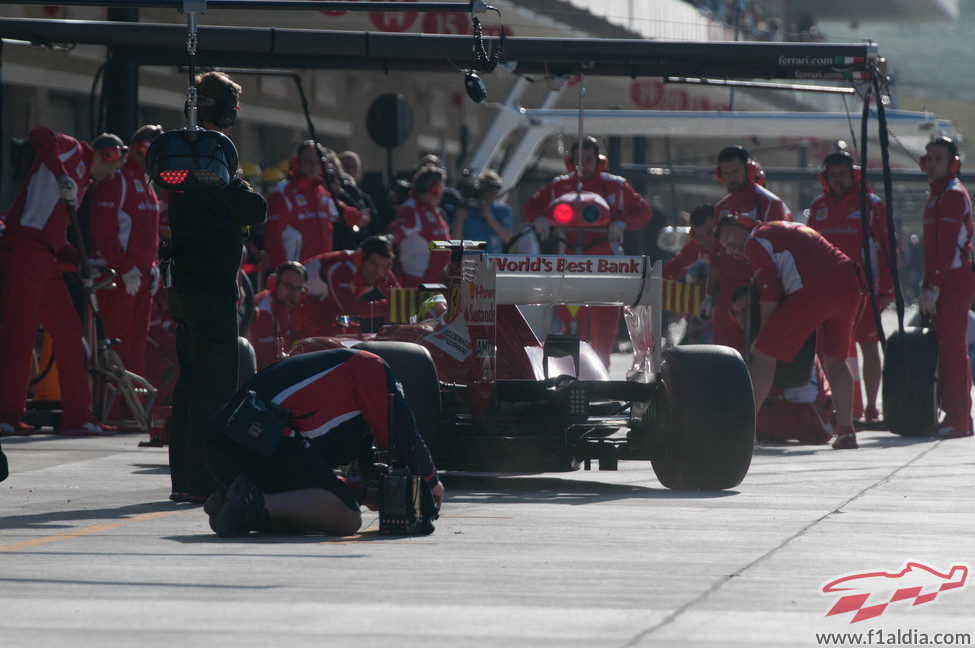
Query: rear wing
x=559, y=279
x=523, y=279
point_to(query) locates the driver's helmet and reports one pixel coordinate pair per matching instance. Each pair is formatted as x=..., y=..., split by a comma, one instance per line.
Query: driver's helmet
x=433, y=307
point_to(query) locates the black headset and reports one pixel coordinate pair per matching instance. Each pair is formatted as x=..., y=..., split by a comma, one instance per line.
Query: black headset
x=224, y=109
x=481, y=62
x=426, y=179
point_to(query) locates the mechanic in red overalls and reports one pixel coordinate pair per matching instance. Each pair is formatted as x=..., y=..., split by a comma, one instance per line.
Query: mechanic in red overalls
x=33, y=288
x=805, y=284
x=699, y=246
x=347, y=282
x=273, y=331
x=801, y=413
x=628, y=210
x=419, y=221
x=737, y=172
x=949, y=281
x=836, y=215
x=335, y=400
x=124, y=221
x=301, y=212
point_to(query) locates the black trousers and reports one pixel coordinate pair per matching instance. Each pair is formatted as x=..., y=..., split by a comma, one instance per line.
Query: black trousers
x=292, y=466
x=206, y=344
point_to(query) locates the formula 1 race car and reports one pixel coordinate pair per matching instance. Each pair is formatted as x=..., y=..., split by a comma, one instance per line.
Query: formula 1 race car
x=488, y=395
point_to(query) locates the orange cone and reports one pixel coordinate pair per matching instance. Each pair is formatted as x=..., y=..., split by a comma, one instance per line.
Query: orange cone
x=47, y=388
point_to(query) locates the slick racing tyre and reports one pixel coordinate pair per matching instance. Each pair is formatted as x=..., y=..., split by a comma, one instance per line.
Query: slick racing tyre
x=704, y=427
x=910, y=384
x=246, y=307
x=246, y=361
x=414, y=367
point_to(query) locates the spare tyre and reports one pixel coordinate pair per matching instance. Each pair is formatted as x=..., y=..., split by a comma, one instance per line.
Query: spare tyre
x=910, y=383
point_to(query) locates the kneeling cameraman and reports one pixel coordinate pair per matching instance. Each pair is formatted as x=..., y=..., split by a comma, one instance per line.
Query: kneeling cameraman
x=274, y=446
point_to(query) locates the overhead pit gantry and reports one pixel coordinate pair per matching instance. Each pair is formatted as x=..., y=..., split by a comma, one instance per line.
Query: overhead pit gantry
x=226, y=46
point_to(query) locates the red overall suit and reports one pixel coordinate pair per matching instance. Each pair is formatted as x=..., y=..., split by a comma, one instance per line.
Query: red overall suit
x=415, y=225
x=300, y=217
x=273, y=331
x=818, y=287
x=733, y=272
x=837, y=218
x=339, y=271
x=693, y=251
x=948, y=266
x=597, y=324
x=799, y=413
x=162, y=365
x=33, y=287
x=125, y=233
x=165, y=232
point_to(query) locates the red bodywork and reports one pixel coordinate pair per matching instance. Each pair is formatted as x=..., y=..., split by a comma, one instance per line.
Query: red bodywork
x=518, y=353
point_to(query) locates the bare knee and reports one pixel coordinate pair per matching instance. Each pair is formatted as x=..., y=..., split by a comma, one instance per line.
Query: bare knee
x=345, y=524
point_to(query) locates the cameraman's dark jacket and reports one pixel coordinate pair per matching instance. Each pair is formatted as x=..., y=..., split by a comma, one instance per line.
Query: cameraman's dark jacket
x=207, y=235
x=206, y=249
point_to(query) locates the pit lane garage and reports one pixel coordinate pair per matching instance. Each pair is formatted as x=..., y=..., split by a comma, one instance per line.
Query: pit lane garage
x=487, y=393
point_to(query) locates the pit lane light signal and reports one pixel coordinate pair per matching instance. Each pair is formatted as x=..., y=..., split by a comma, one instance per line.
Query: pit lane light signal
x=563, y=213
x=173, y=177
x=582, y=210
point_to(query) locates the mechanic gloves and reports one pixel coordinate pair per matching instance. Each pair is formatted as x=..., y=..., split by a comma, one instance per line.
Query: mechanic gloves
x=706, y=309
x=156, y=279
x=542, y=228
x=616, y=229
x=68, y=189
x=929, y=299
x=132, y=280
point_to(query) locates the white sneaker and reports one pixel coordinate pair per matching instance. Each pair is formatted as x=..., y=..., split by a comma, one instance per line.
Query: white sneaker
x=949, y=432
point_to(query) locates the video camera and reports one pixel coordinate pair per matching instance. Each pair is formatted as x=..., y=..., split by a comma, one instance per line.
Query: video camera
x=472, y=186
x=469, y=189
x=406, y=504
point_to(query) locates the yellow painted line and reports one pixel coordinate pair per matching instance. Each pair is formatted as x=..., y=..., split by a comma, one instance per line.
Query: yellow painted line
x=372, y=533
x=98, y=528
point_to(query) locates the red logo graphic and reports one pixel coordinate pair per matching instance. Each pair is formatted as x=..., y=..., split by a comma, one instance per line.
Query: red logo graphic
x=916, y=581
x=393, y=21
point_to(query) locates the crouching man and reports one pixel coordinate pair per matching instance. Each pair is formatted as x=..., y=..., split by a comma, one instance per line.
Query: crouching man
x=327, y=403
x=805, y=284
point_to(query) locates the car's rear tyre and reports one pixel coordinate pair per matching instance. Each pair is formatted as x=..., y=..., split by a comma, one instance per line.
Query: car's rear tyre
x=910, y=385
x=703, y=429
x=414, y=367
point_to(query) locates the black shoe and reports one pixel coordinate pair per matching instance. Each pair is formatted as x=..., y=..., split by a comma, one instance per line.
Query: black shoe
x=4, y=470
x=213, y=503
x=242, y=511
